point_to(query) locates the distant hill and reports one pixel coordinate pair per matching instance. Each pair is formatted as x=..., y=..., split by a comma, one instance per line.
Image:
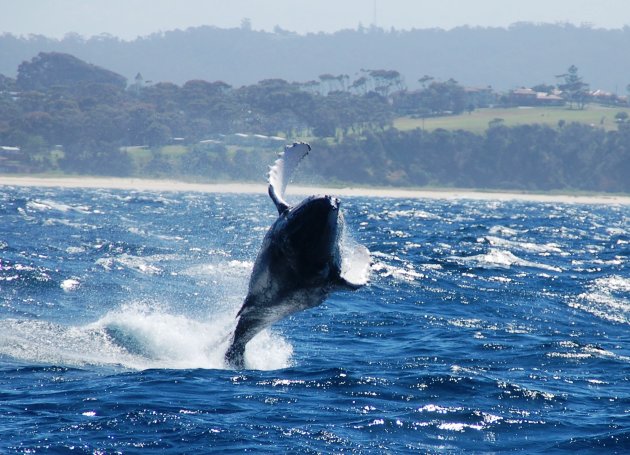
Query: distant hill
x=521, y=55
x=48, y=70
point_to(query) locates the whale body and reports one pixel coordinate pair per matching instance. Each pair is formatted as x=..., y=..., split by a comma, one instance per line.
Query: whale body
x=300, y=261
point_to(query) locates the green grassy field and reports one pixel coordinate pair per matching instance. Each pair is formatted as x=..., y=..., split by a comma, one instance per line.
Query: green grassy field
x=478, y=120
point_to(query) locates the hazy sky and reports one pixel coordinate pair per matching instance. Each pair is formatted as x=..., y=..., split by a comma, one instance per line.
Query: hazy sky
x=130, y=18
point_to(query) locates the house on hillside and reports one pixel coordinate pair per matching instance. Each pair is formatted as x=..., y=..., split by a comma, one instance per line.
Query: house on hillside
x=549, y=99
x=522, y=97
x=607, y=98
x=529, y=97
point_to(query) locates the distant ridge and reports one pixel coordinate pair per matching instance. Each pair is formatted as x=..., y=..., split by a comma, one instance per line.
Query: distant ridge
x=523, y=54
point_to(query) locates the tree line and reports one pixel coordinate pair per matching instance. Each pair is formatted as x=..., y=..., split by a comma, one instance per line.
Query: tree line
x=65, y=114
x=533, y=157
x=88, y=113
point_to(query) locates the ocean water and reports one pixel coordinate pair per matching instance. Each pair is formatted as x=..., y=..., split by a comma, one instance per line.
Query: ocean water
x=486, y=327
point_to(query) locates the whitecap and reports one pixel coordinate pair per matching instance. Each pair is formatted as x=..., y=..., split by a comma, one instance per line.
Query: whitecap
x=574, y=351
x=524, y=246
x=139, y=264
x=434, y=408
x=503, y=230
x=70, y=284
x=411, y=213
x=459, y=427
x=75, y=249
x=615, y=231
x=496, y=258
x=49, y=205
x=232, y=268
x=72, y=224
x=404, y=273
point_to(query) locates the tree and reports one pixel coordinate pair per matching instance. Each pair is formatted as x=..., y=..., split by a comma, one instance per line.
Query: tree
x=360, y=85
x=442, y=97
x=329, y=83
x=544, y=88
x=425, y=79
x=621, y=117
x=574, y=89
x=386, y=81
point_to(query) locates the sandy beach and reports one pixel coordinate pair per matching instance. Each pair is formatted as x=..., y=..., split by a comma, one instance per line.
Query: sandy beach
x=172, y=185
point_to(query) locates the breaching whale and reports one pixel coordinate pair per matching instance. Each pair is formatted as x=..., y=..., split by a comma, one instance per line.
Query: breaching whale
x=301, y=259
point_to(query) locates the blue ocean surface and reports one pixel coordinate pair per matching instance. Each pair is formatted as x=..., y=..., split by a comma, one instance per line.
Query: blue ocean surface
x=486, y=327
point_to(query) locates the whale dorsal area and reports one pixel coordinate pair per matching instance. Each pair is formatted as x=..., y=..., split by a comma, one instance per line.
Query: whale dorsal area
x=282, y=170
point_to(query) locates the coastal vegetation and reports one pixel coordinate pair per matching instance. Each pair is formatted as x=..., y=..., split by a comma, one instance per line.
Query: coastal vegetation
x=61, y=114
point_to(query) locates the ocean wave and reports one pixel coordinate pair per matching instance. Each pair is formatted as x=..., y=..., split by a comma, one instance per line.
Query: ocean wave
x=505, y=231
x=70, y=284
x=462, y=341
x=225, y=269
x=45, y=205
x=144, y=264
x=392, y=266
x=411, y=213
x=606, y=298
x=529, y=247
x=501, y=259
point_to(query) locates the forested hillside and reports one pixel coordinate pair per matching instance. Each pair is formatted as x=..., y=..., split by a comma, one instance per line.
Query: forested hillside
x=521, y=55
x=61, y=114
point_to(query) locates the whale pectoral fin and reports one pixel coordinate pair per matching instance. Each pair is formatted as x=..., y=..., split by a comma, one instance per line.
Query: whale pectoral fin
x=277, y=200
x=282, y=170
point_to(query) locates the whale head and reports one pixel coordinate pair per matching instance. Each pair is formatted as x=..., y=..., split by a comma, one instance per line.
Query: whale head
x=311, y=231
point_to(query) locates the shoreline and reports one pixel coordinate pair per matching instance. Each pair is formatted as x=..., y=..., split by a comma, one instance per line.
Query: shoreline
x=139, y=184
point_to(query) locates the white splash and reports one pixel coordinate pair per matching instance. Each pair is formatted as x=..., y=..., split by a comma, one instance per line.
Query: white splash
x=139, y=336
x=355, y=261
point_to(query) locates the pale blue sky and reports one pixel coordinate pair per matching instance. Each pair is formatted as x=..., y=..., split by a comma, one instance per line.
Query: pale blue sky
x=130, y=18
